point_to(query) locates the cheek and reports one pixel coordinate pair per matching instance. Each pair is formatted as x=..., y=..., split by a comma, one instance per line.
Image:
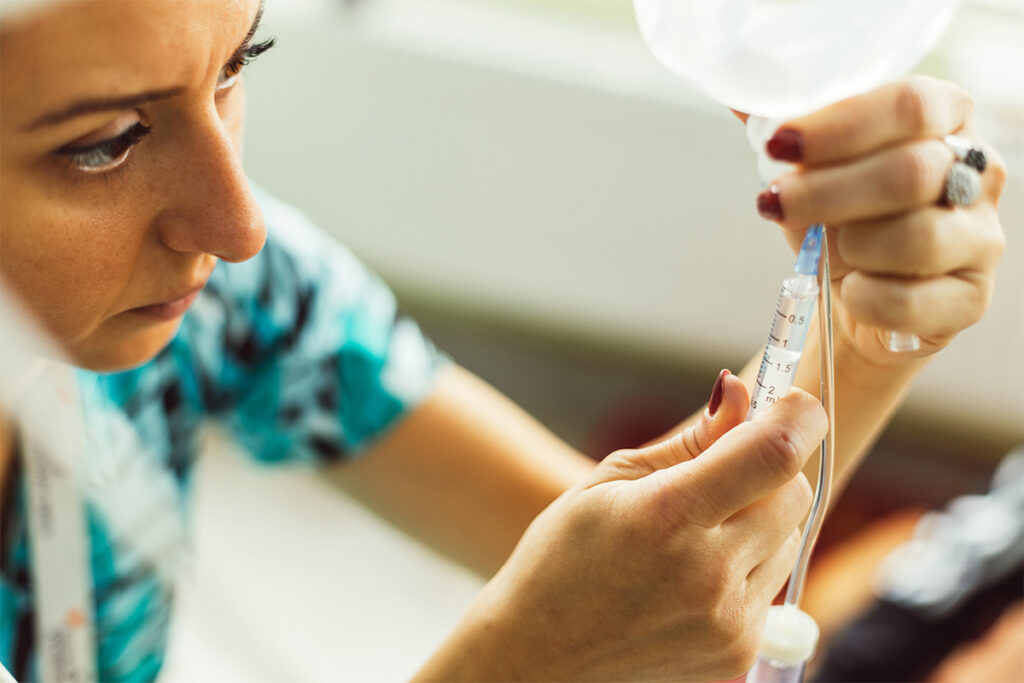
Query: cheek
x=71, y=264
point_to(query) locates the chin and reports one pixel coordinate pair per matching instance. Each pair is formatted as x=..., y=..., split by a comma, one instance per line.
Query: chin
x=113, y=352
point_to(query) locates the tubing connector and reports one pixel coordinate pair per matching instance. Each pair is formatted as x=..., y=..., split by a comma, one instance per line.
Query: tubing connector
x=790, y=635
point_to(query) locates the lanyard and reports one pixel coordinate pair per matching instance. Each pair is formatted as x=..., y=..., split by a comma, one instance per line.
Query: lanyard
x=56, y=515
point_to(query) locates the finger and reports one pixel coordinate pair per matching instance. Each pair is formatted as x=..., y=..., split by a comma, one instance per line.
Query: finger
x=726, y=409
x=730, y=400
x=760, y=529
x=745, y=464
x=890, y=182
x=994, y=175
x=912, y=109
x=934, y=307
x=924, y=243
x=837, y=267
x=766, y=579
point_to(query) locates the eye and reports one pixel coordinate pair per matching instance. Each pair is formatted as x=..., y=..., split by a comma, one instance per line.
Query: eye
x=105, y=154
x=229, y=74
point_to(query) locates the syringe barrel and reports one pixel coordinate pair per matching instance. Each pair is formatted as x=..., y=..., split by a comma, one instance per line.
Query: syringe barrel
x=794, y=312
x=768, y=670
x=790, y=322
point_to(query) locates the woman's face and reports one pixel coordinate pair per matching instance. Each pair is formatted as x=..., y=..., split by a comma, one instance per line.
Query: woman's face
x=120, y=178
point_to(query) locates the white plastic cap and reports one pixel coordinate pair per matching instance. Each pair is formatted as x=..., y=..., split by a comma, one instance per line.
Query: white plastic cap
x=759, y=131
x=790, y=635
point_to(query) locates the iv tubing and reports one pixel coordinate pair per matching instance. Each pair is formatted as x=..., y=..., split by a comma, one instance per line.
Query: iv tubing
x=824, y=488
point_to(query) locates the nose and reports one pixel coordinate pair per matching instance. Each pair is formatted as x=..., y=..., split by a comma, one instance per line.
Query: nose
x=209, y=208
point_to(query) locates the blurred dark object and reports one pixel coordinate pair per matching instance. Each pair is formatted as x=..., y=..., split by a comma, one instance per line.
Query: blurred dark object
x=891, y=642
x=631, y=422
x=996, y=657
x=946, y=586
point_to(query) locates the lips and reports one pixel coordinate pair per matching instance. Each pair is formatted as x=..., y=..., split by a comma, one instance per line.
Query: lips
x=168, y=310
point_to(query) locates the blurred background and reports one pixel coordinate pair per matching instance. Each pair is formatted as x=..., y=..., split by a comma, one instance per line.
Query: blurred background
x=575, y=225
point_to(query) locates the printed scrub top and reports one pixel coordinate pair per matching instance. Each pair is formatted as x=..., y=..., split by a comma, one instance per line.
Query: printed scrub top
x=300, y=351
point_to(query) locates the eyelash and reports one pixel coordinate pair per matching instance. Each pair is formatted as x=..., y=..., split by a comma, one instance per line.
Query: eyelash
x=243, y=58
x=110, y=153
x=105, y=154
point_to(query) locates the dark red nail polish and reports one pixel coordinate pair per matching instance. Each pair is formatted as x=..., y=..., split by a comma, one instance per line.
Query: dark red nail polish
x=769, y=205
x=716, y=393
x=786, y=145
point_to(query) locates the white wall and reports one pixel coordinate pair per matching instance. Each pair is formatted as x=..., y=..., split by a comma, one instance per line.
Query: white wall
x=546, y=170
x=532, y=168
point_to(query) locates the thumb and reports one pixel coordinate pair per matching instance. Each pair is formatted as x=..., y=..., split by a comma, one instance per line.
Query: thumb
x=726, y=409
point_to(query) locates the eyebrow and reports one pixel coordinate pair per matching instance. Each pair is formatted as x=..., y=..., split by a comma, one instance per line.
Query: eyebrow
x=93, y=105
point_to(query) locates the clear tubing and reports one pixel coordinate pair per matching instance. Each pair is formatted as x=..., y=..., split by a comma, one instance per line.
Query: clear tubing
x=824, y=488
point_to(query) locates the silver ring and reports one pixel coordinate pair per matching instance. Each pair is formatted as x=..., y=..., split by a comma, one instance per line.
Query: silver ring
x=964, y=151
x=963, y=185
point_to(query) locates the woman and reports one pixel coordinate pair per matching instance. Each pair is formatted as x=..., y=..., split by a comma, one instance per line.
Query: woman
x=124, y=205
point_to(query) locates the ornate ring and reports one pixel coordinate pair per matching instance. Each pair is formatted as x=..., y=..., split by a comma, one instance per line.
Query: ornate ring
x=963, y=185
x=967, y=153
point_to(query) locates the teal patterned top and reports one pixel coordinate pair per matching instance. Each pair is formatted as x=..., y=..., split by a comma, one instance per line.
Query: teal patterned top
x=300, y=351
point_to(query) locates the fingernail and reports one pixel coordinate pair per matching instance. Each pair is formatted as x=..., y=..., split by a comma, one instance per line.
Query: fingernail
x=769, y=205
x=716, y=393
x=786, y=145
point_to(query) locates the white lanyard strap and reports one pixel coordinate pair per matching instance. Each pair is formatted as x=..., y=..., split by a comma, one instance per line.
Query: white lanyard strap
x=65, y=637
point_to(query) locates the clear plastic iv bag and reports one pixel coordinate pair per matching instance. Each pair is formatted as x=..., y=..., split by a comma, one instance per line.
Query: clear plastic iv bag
x=783, y=58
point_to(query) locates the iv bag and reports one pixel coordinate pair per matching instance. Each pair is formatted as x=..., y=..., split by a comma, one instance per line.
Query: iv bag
x=785, y=58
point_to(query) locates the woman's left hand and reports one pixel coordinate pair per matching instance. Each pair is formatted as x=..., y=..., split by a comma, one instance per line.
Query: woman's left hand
x=873, y=168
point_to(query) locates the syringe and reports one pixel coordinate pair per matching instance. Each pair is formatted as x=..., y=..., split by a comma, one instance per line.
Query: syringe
x=790, y=323
x=790, y=635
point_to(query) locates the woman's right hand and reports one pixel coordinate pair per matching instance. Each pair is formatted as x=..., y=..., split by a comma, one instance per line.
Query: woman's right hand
x=660, y=565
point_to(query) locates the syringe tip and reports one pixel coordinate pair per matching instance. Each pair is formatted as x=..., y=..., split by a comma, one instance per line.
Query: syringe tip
x=810, y=252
